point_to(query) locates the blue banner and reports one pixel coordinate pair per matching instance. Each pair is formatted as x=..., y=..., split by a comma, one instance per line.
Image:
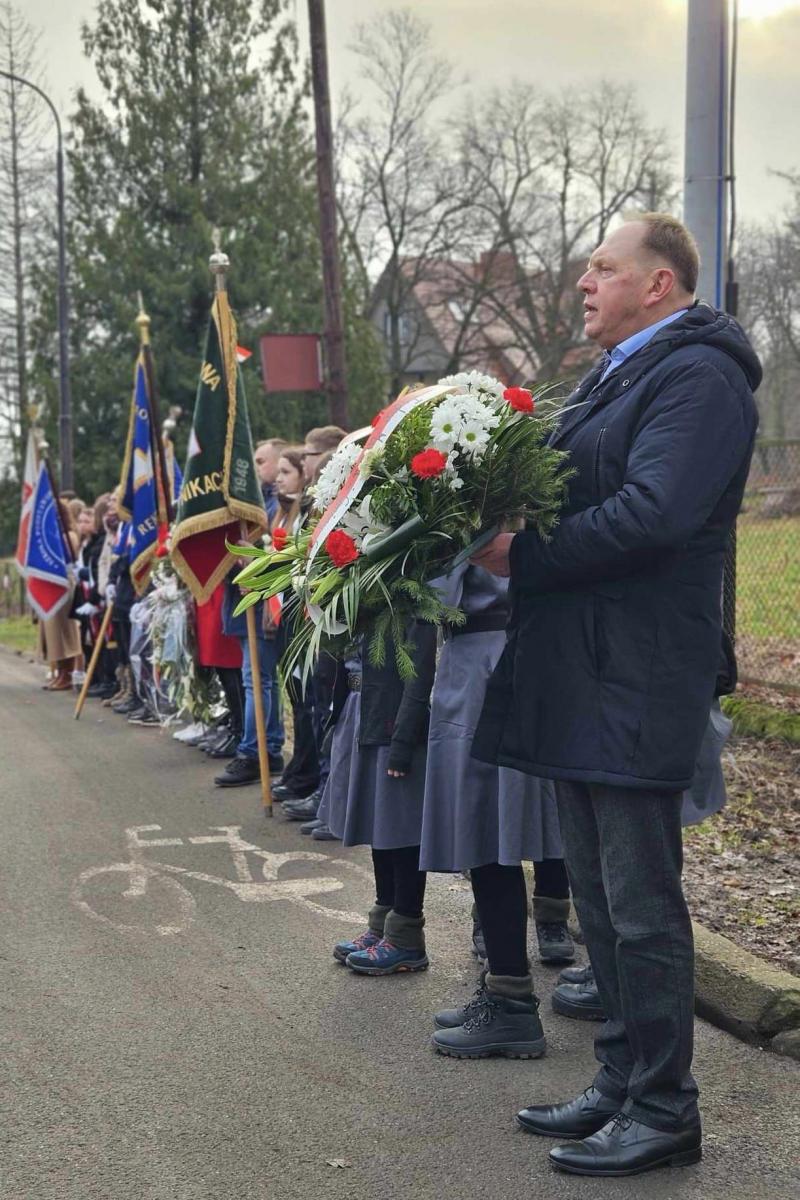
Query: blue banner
x=139, y=499
x=47, y=558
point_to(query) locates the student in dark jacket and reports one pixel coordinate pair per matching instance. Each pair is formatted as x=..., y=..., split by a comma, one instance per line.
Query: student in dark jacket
x=608, y=676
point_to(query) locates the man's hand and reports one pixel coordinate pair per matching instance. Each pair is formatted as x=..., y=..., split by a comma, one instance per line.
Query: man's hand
x=494, y=557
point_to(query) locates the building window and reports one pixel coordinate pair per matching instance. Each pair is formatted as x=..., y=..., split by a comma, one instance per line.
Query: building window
x=403, y=328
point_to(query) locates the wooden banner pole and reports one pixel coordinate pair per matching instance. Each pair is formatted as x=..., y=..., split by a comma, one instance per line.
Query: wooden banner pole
x=98, y=646
x=258, y=701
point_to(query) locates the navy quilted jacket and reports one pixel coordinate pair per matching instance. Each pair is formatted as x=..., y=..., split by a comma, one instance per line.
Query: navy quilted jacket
x=614, y=642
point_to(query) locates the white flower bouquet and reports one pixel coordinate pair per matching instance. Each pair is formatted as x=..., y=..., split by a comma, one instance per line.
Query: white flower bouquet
x=444, y=468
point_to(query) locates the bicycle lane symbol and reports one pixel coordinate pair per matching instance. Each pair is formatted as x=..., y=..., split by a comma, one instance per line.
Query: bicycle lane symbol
x=137, y=876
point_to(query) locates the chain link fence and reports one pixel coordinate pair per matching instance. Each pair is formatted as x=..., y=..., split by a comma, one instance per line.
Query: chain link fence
x=767, y=568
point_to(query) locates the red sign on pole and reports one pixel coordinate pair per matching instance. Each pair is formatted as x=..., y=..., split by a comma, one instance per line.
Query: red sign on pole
x=291, y=362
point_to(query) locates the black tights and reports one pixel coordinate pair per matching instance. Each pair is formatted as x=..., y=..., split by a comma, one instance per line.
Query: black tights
x=550, y=878
x=502, y=903
x=501, y=899
x=399, y=883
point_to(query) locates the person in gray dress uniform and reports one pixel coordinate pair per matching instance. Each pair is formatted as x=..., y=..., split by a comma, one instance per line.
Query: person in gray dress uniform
x=487, y=821
x=374, y=798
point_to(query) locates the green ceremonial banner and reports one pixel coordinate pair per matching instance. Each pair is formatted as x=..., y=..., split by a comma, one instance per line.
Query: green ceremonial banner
x=220, y=499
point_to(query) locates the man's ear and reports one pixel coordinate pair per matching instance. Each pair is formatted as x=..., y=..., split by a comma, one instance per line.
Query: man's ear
x=662, y=284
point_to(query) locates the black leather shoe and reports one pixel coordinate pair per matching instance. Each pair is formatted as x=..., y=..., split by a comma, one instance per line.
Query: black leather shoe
x=575, y=1119
x=578, y=1000
x=626, y=1147
x=576, y=974
x=281, y=792
x=302, y=810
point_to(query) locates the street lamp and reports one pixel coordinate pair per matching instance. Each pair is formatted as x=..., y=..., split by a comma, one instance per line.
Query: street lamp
x=65, y=402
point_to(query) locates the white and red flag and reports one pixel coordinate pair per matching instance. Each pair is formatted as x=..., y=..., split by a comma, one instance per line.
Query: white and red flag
x=28, y=487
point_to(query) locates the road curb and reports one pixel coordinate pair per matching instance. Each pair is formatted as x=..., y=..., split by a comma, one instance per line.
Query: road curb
x=744, y=995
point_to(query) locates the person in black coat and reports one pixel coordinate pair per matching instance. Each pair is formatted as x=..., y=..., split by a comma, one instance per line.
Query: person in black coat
x=609, y=672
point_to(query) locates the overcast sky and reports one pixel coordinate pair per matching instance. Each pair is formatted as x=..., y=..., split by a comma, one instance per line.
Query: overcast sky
x=557, y=43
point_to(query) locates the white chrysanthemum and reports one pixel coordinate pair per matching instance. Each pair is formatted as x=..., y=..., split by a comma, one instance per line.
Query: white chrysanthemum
x=475, y=410
x=333, y=475
x=473, y=381
x=446, y=424
x=473, y=438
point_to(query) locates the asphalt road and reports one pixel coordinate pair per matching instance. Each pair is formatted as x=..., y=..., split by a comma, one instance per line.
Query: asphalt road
x=196, y=1041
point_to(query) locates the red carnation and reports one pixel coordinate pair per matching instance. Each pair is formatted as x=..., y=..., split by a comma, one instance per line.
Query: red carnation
x=341, y=548
x=519, y=398
x=428, y=463
x=279, y=538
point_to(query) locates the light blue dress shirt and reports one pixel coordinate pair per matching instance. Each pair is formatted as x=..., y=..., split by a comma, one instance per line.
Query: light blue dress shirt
x=636, y=341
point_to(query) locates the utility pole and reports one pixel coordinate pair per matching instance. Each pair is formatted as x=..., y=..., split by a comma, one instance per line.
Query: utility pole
x=706, y=172
x=331, y=270
x=65, y=398
x=708, y=175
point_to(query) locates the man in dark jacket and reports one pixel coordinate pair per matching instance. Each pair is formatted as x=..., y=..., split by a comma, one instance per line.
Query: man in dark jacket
x=609, y=672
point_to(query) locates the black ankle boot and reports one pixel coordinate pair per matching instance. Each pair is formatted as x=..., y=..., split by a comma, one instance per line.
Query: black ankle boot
x=507, y=1024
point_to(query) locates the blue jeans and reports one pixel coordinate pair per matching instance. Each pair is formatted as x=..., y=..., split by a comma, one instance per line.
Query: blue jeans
x=275, y=733
x=267, y=661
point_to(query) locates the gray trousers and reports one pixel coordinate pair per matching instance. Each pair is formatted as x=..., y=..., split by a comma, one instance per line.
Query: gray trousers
x=624, y=856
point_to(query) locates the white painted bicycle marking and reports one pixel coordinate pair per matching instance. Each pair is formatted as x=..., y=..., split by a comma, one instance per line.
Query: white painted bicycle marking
x=145, y=875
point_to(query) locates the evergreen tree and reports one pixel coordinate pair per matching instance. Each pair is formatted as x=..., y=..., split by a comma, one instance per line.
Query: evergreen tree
x=204, y=123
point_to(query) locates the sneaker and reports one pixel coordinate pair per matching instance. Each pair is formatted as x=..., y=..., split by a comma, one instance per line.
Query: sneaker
x=499, y=1026
x=137, y=713
x=126, y=707
x=555, y=943
x=384, y=958
x=362, y=942
x=238, y=772
x=452, y=1018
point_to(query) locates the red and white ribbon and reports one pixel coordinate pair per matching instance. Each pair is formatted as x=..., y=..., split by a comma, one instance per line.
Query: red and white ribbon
x=350, y=490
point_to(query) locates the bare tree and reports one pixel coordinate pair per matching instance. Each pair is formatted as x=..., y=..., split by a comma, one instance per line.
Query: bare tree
x=769, y=263
x=546, y=176
x=399, y=204
x=22, y=122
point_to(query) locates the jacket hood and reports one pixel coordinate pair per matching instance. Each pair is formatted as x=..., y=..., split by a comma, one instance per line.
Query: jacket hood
x=707, y=325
